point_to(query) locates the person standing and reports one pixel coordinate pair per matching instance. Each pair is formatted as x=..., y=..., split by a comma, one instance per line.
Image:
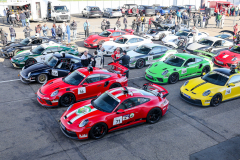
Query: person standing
x=204, y=21
x=177, y=27
x=125, y=22
x=101, y=52
x=143, y=20
x=86, y=26
x=207, y=19
x=97, y=60
x=236, y=11
x=103, y=25
x=23, y=19
x=74, y=28
x=118, y=24
x=232, y=10
x=228, y=11
x=138, y=24
x=53, y=30
x=195, y=18
x=12, y=33
x=27, y=31
x=134, y=24
x=63, y=30
x=179, y=15
x=150, y=22
x=195, y=34
x=116, y=54
x=12, y=18
x=45, y=29
x=59, y=32
x=185, y=18
x=38, y=30
x=107, y=24
x=125, y=61
x=85, y=59
x=200, y=19
x=7, y=14
x=3, y=36
x=219, y=18
x=69, y=33
x=157, y=16
x=27, y=13
x=222, y=20
x=235, y=29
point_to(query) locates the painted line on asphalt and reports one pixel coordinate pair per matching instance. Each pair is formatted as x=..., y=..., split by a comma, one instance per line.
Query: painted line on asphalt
x=10, y=81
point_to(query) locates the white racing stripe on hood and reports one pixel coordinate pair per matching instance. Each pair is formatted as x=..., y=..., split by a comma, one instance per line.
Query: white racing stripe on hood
x=74, y=111
x=81, y=114
x=117, y=89
x=118, y=95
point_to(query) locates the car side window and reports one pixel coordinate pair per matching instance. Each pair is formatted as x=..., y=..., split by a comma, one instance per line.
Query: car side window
x=104, y=76
x=35, y=41
x=190, y=35
x=234, y=79
x=132, y=102
x=93, y=78
x=156, y=50
x=190, y=61
x=54, y=50
x=75, y=61
x=140, y=40
x=217, y=43
x=197, y=60
x=133, y=40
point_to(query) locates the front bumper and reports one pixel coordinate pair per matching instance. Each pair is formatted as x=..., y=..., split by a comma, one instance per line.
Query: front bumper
x=47, y=101
x=154, y=78
x=195, y=99
x=90, y=45
x=222, y=64
x=25, y=79
x=17, y=65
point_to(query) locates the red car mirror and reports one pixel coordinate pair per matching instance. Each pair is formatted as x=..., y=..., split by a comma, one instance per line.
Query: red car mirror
x=120, y=111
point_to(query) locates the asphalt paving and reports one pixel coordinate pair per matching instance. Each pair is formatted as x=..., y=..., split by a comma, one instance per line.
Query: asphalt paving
x=30, y=131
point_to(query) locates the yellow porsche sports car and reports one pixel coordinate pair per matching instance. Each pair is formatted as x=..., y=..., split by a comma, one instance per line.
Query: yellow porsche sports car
x=218, y=85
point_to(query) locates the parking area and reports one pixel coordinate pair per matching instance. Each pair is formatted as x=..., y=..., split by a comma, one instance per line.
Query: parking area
x=30, y=131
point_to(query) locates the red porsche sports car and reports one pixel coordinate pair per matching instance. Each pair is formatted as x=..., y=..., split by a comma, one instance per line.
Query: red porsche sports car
x=82, y=84
x=110, y=34
x=228, y=57
x=115, y=109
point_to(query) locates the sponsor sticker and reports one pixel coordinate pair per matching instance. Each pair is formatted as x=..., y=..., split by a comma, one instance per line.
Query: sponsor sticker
x=225, y=56
x=228, y=91
x=184, y=70
x=126, y=117
x=117, y=120
x=83, y=135
x=54, y=72
x=150, y=59
x=131, y=115
x=82, y=90
x=84, y=110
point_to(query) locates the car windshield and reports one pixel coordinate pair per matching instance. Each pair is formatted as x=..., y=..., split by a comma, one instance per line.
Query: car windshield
x=164, y=7
x=182, y=33
x=38, y=50
x=121, y=40
x=75, y=78
x=25, y=41
x=216, y=78
x=174, y=61
x=235, y=49
x=205, y=42
x=95, y=9
x=60, y=8
x=52, y=61
x=143, y=50
x=105, y=34
x=105, y=102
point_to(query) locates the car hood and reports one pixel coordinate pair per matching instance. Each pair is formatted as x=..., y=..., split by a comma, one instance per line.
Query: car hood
x=195, y=46
x=227, y=55
x=199, y=86
x=160, y=67
x=35, y=67
x=54, y=85
x=13, y=45
x=134, y=54
x=110, y=45
x=170, y=38
x=93, y=37
x=79, y=112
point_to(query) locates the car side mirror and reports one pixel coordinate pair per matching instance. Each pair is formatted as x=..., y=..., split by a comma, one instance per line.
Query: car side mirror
x=186, y=65
x=44, y=53
x=120, y=111
x=151, y=53
x=231, y=85
x=111, y=37
x=84, y=84
x=190, y=36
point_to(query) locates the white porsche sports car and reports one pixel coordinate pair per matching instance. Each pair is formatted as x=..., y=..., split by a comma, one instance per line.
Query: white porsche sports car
x=125, y=42
x=183, y=33
x=209, y=44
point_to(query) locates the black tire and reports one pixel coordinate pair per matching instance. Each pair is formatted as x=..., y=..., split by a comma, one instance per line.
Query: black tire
x=173, y=78
x=15, y=52
x=216, y=100
x=115, y=85
x=134, y=10
x=83, y=15
x=67, y=99
x=30, y=62
x=42, y=78
x=140, y=63
x=98, y=131
x=205, y=70
x=154, y=115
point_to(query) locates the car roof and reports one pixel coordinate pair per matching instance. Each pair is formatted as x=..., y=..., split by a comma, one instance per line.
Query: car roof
x=131, y=36
x=58, y=55
x=151, y=45
x=118, y=93
x=224, y=71
x=186, y=56
x=213, y=38
x=112, y=30
x=92, y=6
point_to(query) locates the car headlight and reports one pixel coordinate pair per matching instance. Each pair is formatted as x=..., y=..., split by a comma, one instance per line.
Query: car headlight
x=69, y=107
x=20, y=58
x=185, y=83
x=206, y=93
x=234, y=59
x=29, y=74
x=94, y=40
x=23, y=68
x=133, y=59
x=165, y=72
x=217, y=54
x=84, y=123
x=150, y=66
x=54, y=93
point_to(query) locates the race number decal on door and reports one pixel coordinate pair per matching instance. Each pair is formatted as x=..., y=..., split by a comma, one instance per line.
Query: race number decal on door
x=82, y=90
x=117, y=120
x=42, y=58
x=228, y=91
x=184, y=70
x=54, y=72
x=150, y=59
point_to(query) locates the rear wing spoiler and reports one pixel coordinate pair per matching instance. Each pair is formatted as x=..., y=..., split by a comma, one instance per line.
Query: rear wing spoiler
x=204, y=54
x=129, y=30
x=118, y=68
x=156, y=90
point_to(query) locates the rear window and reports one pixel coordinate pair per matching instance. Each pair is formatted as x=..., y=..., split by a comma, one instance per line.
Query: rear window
x=95, y=9
x=116, y=10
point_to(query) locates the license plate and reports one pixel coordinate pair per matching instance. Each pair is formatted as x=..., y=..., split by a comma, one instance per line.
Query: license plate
x=149, y=76
x=187, y=96
x=63, y=126
x=219, y=62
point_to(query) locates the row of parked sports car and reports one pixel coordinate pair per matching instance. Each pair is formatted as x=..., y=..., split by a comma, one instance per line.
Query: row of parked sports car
x=106, y=102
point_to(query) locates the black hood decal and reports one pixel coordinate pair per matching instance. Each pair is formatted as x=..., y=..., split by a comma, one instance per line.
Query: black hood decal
x=198, y=85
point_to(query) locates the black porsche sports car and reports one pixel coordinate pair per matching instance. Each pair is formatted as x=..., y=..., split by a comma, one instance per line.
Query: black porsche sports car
x=26, y=44
x=59, y=65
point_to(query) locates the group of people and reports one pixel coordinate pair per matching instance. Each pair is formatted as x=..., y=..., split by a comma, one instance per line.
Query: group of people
x=15, y=17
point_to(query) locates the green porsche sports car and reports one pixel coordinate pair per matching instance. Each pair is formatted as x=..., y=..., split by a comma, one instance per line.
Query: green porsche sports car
x=40, y=53
x=180, y=66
